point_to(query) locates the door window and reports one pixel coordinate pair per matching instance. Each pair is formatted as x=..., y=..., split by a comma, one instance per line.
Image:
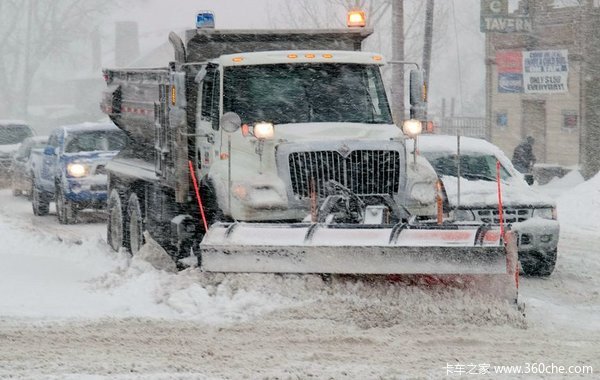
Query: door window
x=209, y=106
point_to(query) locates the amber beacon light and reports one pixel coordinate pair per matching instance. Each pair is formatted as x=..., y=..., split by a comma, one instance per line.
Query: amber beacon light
x=356, y=18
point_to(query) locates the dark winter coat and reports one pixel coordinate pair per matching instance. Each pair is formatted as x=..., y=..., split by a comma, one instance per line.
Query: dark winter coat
x=523, y=157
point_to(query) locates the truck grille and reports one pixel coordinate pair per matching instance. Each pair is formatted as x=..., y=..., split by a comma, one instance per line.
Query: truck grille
x=511, y=215
x=362, y=171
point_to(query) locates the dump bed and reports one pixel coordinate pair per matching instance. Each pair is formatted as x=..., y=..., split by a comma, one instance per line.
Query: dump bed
x=207, y=44
x=130, y=99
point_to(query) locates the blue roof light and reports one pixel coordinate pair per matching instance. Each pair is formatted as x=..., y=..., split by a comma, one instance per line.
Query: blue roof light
x=205, y=19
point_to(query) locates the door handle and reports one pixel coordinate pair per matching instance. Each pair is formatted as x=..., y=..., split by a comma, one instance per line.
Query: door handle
x=210, y=138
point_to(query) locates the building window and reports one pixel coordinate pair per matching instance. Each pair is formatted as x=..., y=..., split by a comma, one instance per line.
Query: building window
x=570, y=120
x=501, y=119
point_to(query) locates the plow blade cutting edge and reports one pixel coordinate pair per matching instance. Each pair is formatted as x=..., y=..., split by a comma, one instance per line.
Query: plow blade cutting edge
x=469, y=251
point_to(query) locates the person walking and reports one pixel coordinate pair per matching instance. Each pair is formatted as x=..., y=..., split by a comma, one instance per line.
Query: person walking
x=523, y=157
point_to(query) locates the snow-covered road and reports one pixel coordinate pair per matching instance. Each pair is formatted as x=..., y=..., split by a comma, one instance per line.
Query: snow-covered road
x=72, y=308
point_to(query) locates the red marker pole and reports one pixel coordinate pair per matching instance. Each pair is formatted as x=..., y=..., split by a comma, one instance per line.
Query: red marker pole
x=500, y=208
x=193, y=174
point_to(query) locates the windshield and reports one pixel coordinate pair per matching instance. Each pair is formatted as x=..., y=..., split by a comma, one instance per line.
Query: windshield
x=14, y=134
x=89, y=141
x=472, y=167
x=302, y=93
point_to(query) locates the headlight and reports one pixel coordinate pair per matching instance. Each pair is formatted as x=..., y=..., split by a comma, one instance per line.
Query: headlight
x=423, y=193
x=77, y=170
x=263, y=131
x=240, y=191
x=464, y=215
x=412, y=128
x=545, y=213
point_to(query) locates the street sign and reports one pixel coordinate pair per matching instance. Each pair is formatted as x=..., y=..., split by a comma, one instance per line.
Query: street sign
x=494, y=7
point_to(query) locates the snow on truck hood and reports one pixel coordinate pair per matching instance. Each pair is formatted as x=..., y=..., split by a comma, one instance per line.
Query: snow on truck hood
x=336, y=131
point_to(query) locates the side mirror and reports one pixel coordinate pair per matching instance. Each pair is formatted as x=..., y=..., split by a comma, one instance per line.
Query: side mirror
x=417, y=94
x=49, y=150
x=230, y=122
x=529, y=179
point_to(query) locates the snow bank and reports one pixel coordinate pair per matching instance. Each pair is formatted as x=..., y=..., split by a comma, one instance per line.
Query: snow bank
x=579, y=206
x=47, y=277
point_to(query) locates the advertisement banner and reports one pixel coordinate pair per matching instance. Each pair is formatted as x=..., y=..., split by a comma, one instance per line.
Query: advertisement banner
x=545, y=71
x=510, y=71
x=510, y=83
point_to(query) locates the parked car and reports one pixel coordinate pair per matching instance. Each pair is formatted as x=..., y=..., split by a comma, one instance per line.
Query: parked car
x=21, y=169
x=71, y=169
x=531, y=214
x=12, y=133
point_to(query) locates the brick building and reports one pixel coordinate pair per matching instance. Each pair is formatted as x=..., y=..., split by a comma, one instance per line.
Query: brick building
x=545, y=82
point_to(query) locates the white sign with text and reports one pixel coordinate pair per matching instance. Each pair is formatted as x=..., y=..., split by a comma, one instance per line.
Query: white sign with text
x=545, y=71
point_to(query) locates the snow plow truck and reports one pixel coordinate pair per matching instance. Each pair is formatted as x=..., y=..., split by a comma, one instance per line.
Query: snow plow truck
x=275, y=151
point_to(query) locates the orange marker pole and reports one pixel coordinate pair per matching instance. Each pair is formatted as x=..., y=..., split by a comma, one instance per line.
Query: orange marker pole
x=195, y=182
x=500, y=208
x=440, y=206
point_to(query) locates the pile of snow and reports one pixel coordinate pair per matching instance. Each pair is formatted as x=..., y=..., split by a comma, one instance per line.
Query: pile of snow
x=559, y=186
x=47, y=277
x=579, y=207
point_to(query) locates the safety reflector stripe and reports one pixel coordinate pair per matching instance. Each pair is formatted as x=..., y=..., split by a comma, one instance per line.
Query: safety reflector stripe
x=139, y=111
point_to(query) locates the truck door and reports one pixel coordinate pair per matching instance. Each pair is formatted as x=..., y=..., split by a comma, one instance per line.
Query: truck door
x=50, y=162
x=208, y=138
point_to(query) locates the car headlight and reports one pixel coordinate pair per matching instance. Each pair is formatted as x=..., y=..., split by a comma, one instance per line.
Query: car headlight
x=545, y=213
x=77, y=170
x=464, y=215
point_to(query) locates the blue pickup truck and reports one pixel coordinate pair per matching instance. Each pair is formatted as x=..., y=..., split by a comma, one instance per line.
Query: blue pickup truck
x=71, y=169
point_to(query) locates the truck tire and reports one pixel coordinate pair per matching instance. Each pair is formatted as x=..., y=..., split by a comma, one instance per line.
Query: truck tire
x=30, y=187
x=65, y=211
x=114, y=227
x=136, y=224
x=538, y=264
x=39, y=201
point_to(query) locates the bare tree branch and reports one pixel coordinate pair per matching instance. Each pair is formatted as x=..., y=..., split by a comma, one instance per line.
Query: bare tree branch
x=55, y=26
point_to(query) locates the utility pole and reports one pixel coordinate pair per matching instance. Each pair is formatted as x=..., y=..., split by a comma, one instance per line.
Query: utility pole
x=24, y=101
x=427, y=47
x=398, y=55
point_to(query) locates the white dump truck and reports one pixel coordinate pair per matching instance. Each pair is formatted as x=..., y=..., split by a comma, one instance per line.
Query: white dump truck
x=276, y=151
